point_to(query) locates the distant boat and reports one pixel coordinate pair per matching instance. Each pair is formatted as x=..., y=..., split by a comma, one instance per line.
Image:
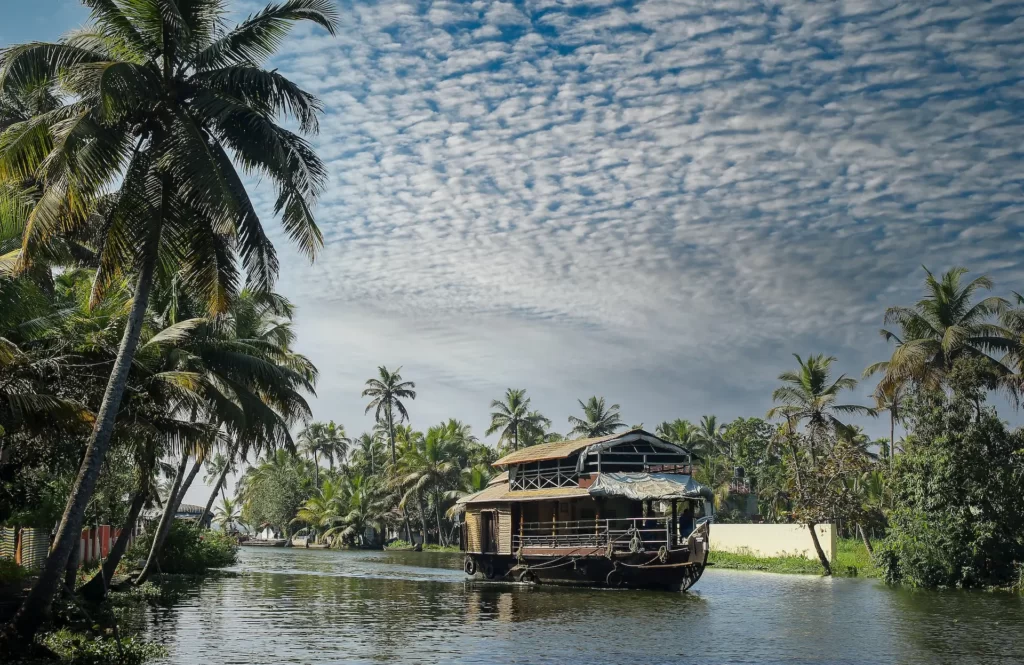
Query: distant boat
x=262, y=542
x=268, y=537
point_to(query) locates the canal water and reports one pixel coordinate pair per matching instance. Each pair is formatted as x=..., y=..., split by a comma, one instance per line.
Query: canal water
x=320, y=606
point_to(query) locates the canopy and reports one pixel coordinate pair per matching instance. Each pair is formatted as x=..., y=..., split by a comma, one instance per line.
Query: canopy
x=649, y=486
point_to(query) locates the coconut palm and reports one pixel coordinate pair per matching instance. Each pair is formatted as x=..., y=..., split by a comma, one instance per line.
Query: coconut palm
x=598, y=420
x=809, y=395
x=678, y=431
x=941, y=327
x=470, y=481
x=510, y=416
x=1012, y=319
x=362, y=508
x=323, y=511
x=366, y=453
x=250, y=389
x=161, y=100
x=429, y=467
x=326, y=440
x=227, y=513
x=891, y=397
x=707, y=438
x=386, y=393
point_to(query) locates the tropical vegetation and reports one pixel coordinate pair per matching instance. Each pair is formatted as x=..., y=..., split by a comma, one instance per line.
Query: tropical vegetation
x=142, y=341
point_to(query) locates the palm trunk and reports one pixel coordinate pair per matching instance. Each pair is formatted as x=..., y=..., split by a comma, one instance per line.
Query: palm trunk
x=96, y=588
x=892, y=439
x=817, y=548
x=437, y=515
x=423, y=516
x=36, y=607
x=867, y=541
x=408, y=527
x=316, y=471
x=71, y=568
x=213, y=494
x=187, y=482
x=166, y=520
x=391, y=436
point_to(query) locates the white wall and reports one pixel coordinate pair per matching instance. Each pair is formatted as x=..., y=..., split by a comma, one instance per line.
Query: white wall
x=771, y=540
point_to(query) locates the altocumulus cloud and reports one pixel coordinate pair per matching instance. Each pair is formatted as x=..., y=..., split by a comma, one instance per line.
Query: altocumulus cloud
x=654, y=201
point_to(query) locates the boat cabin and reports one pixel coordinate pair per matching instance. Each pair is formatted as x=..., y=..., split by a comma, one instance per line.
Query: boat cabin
x=624, y=493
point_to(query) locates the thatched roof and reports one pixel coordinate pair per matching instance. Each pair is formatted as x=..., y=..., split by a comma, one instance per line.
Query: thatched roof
x=502, y=493
x=562, y=449
x=554, y=450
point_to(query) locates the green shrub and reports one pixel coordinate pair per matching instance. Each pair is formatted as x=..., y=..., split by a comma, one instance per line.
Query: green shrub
x=11, y=573
x=88, y=649
x=189, y=549
x=959, y=492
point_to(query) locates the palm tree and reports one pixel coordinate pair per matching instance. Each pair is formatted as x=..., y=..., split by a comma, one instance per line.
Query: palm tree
x=387, y=392
x=362, y=507
x=159, y=97
x=597, y=419
x=323, y=511
x=217, y=470
x=227, y=513
x=941, y=327
x=508, y=416
x=323, y=439
x=707, y=439
x=810, y=395
x=428, y=467
x=1013, y=326
x=471, y=480
x=337, y=443
x=678, y=431
x=249, y=388
x=891, y=397
x=366, y=452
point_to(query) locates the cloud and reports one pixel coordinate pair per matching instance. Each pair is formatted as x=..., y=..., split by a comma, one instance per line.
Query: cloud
x=657, y=201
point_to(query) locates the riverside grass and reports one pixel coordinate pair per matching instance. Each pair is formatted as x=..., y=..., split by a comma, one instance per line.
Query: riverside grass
x=851, y=560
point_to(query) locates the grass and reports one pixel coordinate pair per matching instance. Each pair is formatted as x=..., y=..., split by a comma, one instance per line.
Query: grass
x=851, y=560
x=11, y=573
x=401, y=544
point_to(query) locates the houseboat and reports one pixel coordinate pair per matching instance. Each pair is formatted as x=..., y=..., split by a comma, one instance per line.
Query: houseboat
x=620, y=511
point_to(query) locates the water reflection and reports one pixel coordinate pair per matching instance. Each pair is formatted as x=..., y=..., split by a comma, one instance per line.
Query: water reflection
x=362, y=607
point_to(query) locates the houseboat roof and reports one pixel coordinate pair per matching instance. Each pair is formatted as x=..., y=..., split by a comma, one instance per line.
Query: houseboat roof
x=502, y=493
x=562, y=449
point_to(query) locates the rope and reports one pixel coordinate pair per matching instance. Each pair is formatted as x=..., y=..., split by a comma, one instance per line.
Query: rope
x=547, y=564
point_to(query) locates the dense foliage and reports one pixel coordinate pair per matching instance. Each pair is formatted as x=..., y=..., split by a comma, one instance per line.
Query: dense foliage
x=958, y=491
x=188, y=550
x=74, y=648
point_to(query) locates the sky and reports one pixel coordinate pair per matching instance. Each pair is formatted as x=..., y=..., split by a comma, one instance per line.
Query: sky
x=658, y=202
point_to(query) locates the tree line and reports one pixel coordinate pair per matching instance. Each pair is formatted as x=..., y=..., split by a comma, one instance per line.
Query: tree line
x=805, y=460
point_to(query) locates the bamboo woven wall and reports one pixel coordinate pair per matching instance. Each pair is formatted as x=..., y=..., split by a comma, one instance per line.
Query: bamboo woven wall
x=473, y=531
x=505, y=529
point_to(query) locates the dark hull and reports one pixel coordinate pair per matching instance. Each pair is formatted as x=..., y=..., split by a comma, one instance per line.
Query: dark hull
x=629, y=571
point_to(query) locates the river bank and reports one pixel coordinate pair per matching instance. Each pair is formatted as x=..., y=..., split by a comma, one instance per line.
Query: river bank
x=851, y=560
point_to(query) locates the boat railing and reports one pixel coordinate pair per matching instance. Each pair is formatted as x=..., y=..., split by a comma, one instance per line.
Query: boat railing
x=625, y=534
x=563, y=475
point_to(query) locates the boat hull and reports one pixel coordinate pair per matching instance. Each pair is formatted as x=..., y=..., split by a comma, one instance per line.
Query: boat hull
x=645, y=570
x=264, y=543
